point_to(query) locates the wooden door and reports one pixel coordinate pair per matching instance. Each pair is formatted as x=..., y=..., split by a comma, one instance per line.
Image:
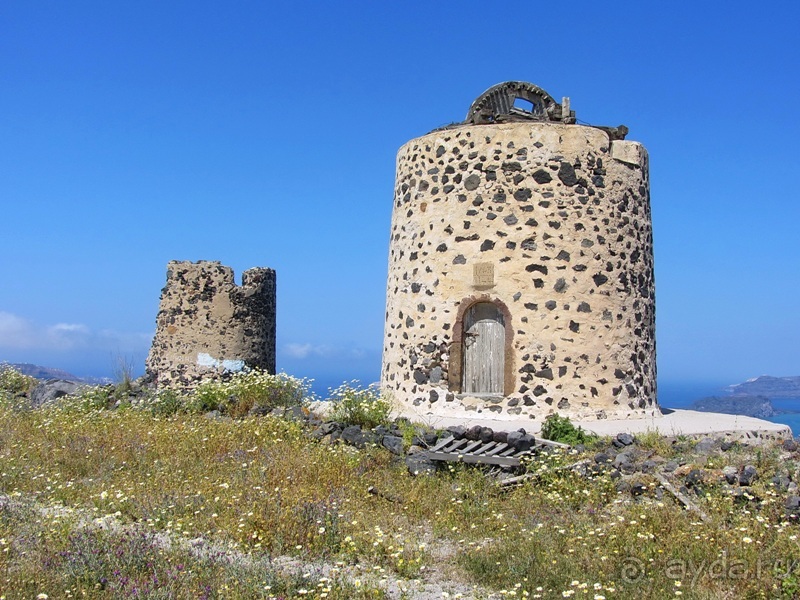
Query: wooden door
x=484, y=349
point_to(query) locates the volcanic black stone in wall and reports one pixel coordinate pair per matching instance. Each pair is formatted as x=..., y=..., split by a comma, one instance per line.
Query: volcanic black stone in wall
x=472, y=182
x=568, y=195
x=566, y=173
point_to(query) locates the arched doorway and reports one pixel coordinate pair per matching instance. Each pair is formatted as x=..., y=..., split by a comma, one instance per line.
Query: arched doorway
x=484, y=350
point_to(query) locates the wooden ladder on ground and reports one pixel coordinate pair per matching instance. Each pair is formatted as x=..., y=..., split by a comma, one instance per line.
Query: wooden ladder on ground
x=450, y=449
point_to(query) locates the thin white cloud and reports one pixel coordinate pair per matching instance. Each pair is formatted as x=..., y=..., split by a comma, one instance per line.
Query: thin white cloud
x=69, y=328
x=299, y=350
x=18, y=333
x=308, y=350
x=67, y=336
x=15, y=332
x=125, y=339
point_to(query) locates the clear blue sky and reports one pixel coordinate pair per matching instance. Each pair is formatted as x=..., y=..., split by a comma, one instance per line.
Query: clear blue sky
x=265, y=134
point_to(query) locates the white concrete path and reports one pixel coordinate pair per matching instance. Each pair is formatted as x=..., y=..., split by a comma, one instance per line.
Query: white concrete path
x=672, y=422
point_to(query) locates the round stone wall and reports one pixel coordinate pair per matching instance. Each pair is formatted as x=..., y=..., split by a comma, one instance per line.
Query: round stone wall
x=521, y=253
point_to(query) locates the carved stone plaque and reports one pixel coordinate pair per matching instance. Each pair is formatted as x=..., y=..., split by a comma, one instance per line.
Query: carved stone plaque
x=483, y=275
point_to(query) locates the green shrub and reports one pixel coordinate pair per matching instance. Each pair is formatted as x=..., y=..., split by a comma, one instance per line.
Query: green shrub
x=355, y=405
x=166, y=403
x=96, y=398
x=248, y=390
x=13, y=382
x=560, y=429
x=407, y=431
x=655, y=441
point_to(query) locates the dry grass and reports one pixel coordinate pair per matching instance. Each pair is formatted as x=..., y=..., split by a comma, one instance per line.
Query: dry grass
x=258, y=489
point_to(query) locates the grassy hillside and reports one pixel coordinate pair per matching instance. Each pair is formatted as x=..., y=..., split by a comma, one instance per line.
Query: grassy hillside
x=99, y=503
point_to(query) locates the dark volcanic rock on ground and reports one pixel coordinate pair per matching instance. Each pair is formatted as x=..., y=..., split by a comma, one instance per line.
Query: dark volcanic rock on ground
x=49, y=391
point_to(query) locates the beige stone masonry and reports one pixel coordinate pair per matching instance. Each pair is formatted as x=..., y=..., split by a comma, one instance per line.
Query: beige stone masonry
x=547, y=223
x=207, y=325
x=625, y=151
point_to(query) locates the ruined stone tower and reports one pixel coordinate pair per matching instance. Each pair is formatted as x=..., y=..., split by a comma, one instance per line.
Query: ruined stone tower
x=207, y=324
x=521, y=266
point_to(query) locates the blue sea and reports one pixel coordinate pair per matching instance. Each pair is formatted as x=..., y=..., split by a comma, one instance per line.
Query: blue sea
x=681, y=395
x=792, y=419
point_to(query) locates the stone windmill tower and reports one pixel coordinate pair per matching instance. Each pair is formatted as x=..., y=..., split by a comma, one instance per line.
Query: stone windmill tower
x=207, y=325
x=521, y=266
